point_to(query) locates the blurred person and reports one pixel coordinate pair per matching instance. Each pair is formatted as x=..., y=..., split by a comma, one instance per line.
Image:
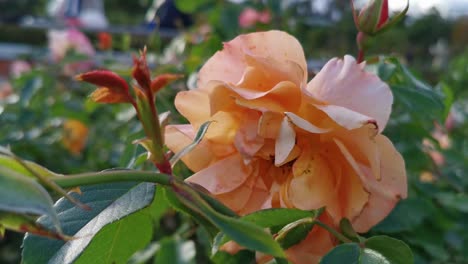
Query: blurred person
x=164, y=13
x=85, y=13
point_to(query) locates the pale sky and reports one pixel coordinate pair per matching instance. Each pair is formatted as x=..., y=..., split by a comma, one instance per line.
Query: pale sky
x=446, y=7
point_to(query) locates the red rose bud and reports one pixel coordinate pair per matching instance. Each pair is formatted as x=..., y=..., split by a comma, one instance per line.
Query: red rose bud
x=374, y=17
x=104, y=78
x=163, y=80
x=141, y=72
x=108, y=96
x=113, y=88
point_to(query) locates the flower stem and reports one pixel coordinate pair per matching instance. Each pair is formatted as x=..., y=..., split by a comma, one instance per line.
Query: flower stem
x=83, y=179
x=360, y=56
x=110, y=176
x=361, y=43
x=332, y=231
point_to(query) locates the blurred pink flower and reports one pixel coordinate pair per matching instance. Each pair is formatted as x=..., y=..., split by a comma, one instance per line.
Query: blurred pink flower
x=250, y=17
x=19, y=67
x=5, y=90
x=60, y=41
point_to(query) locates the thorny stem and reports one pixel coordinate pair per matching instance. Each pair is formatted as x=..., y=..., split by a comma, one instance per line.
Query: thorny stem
x=83, y=179
x=49, y=183
x=110, y=176
x=163, y=165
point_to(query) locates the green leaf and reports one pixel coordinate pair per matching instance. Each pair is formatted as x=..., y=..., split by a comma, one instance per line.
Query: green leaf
x=175, y=202
x=159, y=206
x=109, y=203
x=10, y=163
x=345, y=253
x=419, y=98
x=407, y=215
x=457, y=201
x=294, y=232
x=176, y=251
x=393, y=250
x=243, y=256
x=198, y=138
x=30, y=88
x=348, y=231
x=448, y=99
x=143, y=256
x=24, y=223
x=190, y=6
x=23, y=195
x=379, y=249
x=111, y=243
x=246, y=234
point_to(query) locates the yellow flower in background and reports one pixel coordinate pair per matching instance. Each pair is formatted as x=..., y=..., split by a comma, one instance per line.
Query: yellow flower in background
x=279, y=141
x=75, y=134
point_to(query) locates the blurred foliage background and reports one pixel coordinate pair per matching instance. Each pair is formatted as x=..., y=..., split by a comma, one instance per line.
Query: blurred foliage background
x=426, y=65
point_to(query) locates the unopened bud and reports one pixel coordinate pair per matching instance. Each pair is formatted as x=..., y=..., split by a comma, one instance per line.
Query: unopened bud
x=111, y=87
x=374, y=17
x=163, y=80
x=141, y=72
x=104, y=78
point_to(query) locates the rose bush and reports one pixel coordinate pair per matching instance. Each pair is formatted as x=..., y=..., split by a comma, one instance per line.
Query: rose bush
x=278, y=141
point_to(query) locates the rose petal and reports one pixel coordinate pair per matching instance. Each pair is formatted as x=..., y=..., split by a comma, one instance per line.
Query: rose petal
x=193, y=105
x=284, y=96
x=343, y=83
x=228, y=65
x=285, y=142
x=224, y=127
x=384, y=194
x=261, y=74
x=269, y=124
x=221, y=97
x=223, y=176
x=387, y=192
x=313, y=183
x=345, y=117
x=304, y=124
x=247, y=141
x=178, y=137
x=248, y=197
x=258, y=197
x=361, y=142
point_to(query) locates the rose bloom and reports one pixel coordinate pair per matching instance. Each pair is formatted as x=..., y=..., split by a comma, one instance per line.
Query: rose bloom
x=278, y=141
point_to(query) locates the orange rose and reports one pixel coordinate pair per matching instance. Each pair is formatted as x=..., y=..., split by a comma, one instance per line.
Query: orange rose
x=279, y=141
